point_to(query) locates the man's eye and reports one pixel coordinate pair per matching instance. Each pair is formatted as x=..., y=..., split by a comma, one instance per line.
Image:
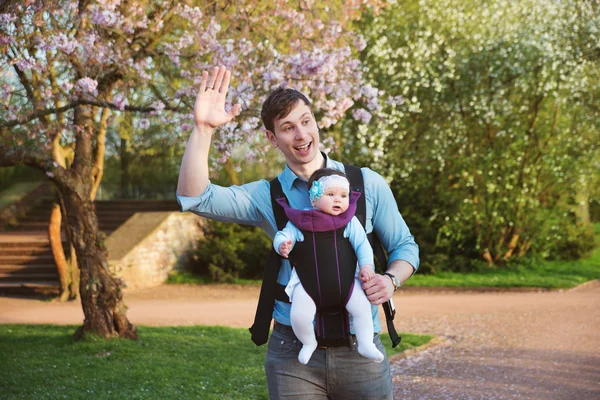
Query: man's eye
x=305, y=122
x=288, y=128
x=330, y=194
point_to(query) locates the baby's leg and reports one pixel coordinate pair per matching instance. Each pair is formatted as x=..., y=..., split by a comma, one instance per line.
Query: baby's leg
x=359, y=307
x=302, y=315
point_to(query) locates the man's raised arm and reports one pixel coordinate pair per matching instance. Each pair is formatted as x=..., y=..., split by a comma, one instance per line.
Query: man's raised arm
x=209, y=113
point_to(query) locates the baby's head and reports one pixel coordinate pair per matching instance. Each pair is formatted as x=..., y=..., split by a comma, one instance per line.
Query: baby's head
x=329, y=191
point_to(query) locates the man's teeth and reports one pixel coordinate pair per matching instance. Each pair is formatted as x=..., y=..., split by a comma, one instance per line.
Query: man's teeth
x=303, y=147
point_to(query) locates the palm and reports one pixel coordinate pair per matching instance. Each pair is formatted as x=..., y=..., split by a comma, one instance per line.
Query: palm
x=209, y=109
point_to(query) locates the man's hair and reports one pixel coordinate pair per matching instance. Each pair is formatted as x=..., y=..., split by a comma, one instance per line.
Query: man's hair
x=318, y=174
x=279, y=104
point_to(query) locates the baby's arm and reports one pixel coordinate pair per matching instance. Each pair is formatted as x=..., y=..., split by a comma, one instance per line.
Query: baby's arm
x=285, y=239
x=364, y=252
x=366, y=273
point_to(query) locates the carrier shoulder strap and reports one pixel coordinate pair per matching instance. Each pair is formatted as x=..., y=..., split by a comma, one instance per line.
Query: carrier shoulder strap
x=270, y=288
x=357, y=184
x=281, y=220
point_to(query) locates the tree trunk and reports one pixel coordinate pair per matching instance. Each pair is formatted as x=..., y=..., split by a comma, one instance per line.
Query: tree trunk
x=582, y=201
x=232, y=175
x=124, y=169
x=101, y=295
x=62, y=267
x=512, y=244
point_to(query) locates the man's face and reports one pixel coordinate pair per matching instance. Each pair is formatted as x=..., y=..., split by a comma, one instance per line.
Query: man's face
x=334, y=201
x=296, y=135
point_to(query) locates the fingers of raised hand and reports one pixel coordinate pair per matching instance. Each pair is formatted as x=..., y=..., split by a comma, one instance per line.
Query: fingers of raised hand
x=213, y=78
x=220, y=78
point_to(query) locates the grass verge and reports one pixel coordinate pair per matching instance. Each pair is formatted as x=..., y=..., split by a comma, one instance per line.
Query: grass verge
x=191, y=362
x=534, y=274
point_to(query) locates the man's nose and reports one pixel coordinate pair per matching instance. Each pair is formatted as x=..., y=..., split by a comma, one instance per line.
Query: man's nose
x=301, y=132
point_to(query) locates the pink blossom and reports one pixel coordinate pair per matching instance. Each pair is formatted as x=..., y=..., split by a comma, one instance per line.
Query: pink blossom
x=50, y=174
x=395, y=100
x=120, y=101
x=6, y=19
x=4, y=40
x=158, y=105
x=64, y=44
x=360, y=43
x=144, y=123
x=66, y=86
x=186, y=127
x=362, y=115
x=88, y=85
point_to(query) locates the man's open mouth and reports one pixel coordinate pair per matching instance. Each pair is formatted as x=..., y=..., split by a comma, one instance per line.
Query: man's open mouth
x=305, y=148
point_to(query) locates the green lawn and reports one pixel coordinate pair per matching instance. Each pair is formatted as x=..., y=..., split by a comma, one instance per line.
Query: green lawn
x=540, y=274
x=192, y=362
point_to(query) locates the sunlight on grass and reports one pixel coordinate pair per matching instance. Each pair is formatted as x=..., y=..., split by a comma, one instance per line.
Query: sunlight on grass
x=191, y=362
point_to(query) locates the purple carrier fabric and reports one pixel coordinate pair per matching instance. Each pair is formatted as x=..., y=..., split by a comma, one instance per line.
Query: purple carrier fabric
x=326, y=264
x=318, y=221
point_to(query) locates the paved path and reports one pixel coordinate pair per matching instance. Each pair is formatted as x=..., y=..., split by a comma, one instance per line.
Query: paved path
x=534, y=345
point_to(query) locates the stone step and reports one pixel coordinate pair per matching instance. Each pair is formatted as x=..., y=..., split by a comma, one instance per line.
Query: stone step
x=26, y=245
x=30, y=268
x=35, y=276
x=23, y=260
x=31, y=226
x=25, y=251
x=38, y=284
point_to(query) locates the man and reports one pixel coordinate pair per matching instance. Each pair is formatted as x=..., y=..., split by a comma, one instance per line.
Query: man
x=333, y=372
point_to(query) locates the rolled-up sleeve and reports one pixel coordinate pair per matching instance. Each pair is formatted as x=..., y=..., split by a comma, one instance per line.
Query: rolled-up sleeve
x=388, y=224
x=239, y=204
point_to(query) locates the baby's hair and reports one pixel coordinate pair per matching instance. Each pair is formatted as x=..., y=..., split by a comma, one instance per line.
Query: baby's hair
x=318, y=174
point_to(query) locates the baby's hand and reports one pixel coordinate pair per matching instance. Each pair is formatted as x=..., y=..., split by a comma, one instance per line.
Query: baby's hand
x=285, y=248
x=366, y=273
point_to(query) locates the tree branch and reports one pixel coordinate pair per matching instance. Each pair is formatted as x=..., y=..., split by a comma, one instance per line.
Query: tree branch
x=24, y=155
x=48, y=111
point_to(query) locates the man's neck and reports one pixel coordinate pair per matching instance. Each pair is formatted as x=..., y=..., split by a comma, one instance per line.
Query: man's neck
x=304, y=171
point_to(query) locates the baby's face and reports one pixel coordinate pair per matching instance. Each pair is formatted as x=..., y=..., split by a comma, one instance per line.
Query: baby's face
x=334, y=201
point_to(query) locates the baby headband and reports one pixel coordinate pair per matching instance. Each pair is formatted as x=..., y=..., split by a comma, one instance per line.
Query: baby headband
x=319, y=186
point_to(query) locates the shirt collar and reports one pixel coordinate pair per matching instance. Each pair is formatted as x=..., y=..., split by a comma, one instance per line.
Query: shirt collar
x=287, y=177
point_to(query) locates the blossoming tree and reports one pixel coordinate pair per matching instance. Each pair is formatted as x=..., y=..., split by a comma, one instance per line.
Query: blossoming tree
x=500, y=126
x=69, y=66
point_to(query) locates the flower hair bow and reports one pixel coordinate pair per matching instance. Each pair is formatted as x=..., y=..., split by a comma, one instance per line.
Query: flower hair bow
x=316, y=191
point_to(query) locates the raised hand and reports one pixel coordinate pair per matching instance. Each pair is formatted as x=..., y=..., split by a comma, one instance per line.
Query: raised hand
x=209, y=110
x=285, y=248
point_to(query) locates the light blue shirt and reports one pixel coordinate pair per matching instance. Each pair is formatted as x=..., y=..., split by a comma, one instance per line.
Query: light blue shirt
x=251, y=204
x=354, y=232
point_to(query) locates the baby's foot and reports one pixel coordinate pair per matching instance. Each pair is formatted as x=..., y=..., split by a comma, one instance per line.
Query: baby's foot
x=371, y=352
x=306, y=352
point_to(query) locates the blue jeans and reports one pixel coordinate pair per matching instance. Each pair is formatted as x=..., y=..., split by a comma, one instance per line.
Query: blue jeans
x=335, y=373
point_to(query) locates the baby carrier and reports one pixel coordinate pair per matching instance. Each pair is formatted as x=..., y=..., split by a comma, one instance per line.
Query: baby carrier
x=332, y=325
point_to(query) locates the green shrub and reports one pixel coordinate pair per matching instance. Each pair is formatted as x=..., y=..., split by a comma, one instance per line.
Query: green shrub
x=230, y=251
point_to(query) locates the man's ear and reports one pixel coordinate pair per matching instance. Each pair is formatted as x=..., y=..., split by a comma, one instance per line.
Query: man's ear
x=272, y=138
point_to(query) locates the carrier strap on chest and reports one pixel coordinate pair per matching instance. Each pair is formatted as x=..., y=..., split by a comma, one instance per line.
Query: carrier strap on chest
x=357, y=184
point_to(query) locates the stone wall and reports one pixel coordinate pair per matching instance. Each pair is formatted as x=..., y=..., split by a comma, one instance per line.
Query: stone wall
x=150, y=245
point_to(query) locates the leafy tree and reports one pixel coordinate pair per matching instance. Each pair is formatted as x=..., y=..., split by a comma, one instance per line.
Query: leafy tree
x=490, y=130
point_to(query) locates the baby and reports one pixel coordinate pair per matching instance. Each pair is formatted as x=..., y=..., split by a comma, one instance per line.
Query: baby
x=330, y=194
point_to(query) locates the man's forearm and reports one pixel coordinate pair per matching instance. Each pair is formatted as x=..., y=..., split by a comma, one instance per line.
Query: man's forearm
x=401, y=269
x=193, y=173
